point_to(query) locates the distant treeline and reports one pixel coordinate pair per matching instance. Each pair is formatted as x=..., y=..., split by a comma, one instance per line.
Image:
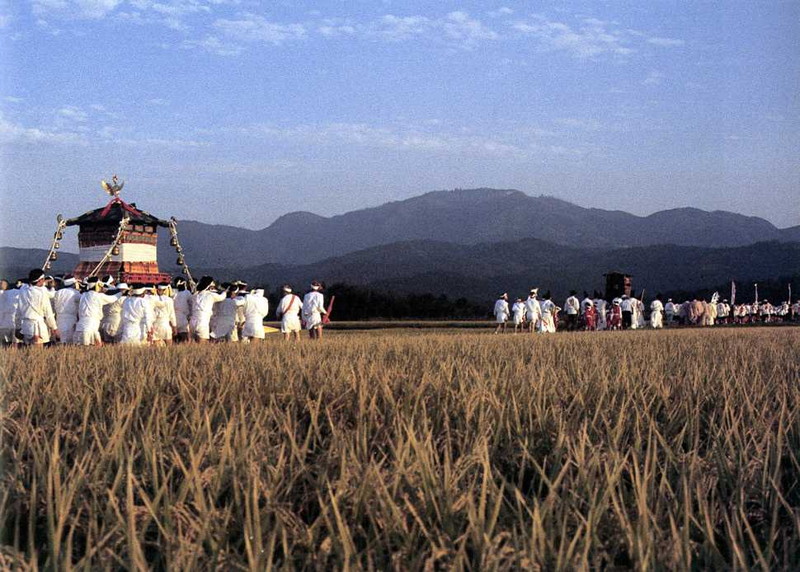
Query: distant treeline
x=357, y=303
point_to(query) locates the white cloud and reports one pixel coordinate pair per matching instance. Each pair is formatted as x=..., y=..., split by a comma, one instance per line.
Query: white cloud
x=396, y=28
x=12, y=99
x=665, y=42
x=522, y=145
x=337, y=27
x=74, y=9
x=255, y=28
x=73, y=113
x=585, y=124
x=504, y=11
x=591, y=39
x=214, y=45
x=654, y=78
x=150, y=142
x=459, y=27
x=14, y=133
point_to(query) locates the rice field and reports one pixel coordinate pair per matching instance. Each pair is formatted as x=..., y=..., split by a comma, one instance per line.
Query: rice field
x=407, y=450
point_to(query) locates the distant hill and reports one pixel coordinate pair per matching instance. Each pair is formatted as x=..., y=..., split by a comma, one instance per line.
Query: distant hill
x=464, y=217
x=481, y=272
x=17, y=262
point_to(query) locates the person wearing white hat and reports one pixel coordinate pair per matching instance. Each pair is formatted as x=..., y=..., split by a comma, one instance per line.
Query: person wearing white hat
x=501, y=313
x=313, y=310
x=255, y=309
x=183, y=310
x=90, y=312
x=202, y=307
x=533, y=310
x=288, y=312
x=137, y=318
x=165, y=324
x=34, y=311
x=65, y=304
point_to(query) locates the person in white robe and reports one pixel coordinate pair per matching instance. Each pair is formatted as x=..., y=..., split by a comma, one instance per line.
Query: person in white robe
x=255, y=309
x=225, y=323
x=518, y=314
x=314, y=310
x=547, y=323
x=8, y=317
x=288, y=312
x=35, y=315
x=165, y=323
x=670, y=310
x=602, y=308
x=656, y=313
x=501, y=313
x=66, y=303
x=183, y=310
x=90, y=313
x=533, y=310
x=112, y=316
x=203, y=304
x=137, y=318
x=639, y=304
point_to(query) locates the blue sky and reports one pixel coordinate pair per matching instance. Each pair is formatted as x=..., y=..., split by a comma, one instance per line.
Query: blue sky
x=237, y=111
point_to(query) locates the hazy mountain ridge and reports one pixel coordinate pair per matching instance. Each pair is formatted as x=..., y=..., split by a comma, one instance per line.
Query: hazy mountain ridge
x=480, y=272
x=466, y=217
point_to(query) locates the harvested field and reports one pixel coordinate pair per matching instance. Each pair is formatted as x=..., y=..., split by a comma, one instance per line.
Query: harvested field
x=408, y=449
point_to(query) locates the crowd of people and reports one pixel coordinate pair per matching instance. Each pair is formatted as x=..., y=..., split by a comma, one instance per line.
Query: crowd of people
x=535, y=314
x=45, y=310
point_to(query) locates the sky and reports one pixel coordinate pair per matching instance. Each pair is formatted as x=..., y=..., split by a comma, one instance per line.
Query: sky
x=238, y=111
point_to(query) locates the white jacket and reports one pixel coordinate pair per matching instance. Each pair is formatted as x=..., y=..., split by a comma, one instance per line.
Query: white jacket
x=256, y=308
x=90, y=309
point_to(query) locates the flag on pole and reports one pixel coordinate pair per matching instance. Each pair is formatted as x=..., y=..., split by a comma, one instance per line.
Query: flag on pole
x=733, y=292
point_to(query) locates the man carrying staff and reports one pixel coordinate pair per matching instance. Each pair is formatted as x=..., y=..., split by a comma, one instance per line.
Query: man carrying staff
x=313, y=310
x=289, y=313
x=36, y=317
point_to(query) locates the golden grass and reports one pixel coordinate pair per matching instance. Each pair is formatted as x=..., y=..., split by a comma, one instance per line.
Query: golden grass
x=407, y=451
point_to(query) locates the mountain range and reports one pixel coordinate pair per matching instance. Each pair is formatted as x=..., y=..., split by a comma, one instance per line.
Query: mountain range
x=474, y=243
x=465, y=217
